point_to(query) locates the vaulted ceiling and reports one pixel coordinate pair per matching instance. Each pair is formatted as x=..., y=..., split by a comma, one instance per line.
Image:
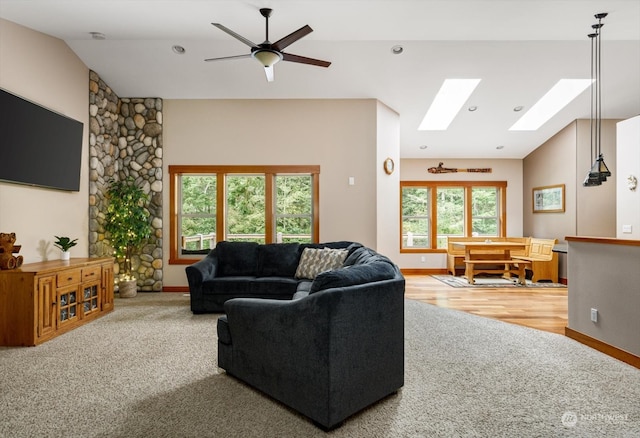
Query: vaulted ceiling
x=518, y=48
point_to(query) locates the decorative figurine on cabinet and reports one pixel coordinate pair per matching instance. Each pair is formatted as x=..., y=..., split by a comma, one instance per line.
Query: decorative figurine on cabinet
x=7, y=249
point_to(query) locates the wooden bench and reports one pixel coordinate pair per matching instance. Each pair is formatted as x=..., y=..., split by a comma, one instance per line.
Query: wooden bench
x=512, y=266
x=456, y=255
x=544, y=262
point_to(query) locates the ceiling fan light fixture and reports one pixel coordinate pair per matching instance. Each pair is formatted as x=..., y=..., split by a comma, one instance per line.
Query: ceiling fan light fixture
x=267, y=57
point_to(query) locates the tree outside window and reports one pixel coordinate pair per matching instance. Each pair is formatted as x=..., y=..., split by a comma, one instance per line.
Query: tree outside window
x=433, y=211
x=264, y=204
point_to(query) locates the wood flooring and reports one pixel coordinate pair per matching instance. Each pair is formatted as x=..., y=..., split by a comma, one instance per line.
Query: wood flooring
x=542, y=309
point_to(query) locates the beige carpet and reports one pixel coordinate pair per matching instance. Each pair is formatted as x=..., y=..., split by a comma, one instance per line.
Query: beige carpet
x=148, y=369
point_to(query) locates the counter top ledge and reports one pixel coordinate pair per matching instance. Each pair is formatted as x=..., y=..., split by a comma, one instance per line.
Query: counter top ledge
x=603, y=240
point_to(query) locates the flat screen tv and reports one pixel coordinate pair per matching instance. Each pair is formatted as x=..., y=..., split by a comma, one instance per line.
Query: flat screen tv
x=38, y=147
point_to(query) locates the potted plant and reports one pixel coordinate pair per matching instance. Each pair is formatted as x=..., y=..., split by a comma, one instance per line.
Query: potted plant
x=127, y=226
x=65, y=244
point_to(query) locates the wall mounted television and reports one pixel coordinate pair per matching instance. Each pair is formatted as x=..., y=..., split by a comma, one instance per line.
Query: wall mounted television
x=38, y=147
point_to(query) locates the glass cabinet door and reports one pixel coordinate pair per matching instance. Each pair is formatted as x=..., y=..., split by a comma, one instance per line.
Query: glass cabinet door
x=67, y=306
x=90, y=299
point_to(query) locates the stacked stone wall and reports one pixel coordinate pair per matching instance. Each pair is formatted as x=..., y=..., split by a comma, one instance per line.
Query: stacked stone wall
x=125, y=140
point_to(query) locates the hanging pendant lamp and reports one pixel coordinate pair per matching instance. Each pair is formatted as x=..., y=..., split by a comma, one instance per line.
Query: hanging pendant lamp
x=599, y=170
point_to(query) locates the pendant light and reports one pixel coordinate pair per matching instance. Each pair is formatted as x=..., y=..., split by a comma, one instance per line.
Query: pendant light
x=599, y=170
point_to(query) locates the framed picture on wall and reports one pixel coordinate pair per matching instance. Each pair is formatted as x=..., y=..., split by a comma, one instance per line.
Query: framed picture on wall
x=548, y=199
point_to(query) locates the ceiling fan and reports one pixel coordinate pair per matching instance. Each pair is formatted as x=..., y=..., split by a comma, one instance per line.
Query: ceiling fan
x=269, y=53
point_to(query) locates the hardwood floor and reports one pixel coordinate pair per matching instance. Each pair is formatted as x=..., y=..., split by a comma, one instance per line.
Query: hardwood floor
x=543, y=308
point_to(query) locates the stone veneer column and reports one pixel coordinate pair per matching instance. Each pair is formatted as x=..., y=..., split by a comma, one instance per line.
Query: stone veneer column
x=125, y=140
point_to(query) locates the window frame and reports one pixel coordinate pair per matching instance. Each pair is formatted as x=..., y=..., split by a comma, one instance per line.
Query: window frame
x=432, y=186
x=269, y=172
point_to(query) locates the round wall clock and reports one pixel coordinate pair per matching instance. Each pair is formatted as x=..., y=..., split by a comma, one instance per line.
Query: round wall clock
x=389, y=166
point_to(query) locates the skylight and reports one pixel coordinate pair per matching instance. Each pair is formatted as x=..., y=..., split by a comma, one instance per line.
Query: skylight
x=452, y=96
x=559, y=96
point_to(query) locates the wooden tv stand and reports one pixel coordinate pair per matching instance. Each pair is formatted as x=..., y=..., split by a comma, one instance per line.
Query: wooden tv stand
x=40, y=301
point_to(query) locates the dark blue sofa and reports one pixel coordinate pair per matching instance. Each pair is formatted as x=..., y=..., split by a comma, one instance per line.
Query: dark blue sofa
x=249, y=270
x=328, y=349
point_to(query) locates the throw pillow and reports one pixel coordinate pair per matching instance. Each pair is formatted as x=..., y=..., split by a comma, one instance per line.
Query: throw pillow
x=316, y=260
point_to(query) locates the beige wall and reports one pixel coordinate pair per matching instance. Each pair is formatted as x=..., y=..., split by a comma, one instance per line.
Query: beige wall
x=502, y=170
x=628, y=201
x=44, y=70
x=565, y=159
x=338, y=135
x=551, y=164
x=388, y=195
x=595, y=282
x=596, y=206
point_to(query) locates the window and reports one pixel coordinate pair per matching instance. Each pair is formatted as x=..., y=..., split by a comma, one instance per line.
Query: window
x=245, y=208
x=432, y=211
x=415, y=217
x=294, y=212
x=197, y=222
x=263, y=204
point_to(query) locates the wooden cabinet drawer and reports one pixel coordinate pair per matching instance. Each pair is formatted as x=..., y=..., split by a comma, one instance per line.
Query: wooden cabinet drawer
x=68, y=277
x=91, y=273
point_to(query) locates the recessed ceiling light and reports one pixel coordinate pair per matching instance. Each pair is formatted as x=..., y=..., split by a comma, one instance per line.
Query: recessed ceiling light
x=447, y=103
x=98, y=36
x=559, y=96
x=396, y=50
x=178, y=49
x=473, y=108
x=423, y=146
x=518, y=108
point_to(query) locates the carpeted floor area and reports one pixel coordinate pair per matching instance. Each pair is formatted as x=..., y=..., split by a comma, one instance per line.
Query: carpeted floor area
x=149, y=369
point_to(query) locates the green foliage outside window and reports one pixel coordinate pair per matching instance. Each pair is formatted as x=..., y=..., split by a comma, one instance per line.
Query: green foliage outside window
x=415, y=217
x=485, y=214
x=245, y=209
x=450, y=205
x=451, y=213
x=199, y=210
x=293, y=207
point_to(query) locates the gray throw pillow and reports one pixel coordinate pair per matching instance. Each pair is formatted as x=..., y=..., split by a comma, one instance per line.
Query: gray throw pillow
x=316, y=260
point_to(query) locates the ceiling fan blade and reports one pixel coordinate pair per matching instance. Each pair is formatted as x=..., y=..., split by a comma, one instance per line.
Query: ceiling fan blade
x=248, y=55
x=269, y=72
x=235, y=35
x=304, y=60
x=291, y=38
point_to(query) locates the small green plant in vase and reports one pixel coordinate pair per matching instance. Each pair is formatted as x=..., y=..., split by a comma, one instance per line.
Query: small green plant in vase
x=65, y=244
x=127, y=226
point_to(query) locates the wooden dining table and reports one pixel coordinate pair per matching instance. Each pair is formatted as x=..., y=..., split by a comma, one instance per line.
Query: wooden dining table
x=499, y=253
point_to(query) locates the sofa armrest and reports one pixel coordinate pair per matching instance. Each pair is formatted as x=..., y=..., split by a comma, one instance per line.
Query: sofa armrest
x=201, y=271
x=261, y=327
